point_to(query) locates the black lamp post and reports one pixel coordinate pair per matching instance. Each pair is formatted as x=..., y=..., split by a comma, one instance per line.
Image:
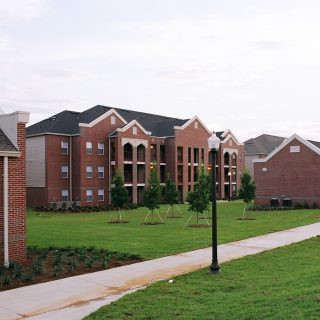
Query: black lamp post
x=213, y=144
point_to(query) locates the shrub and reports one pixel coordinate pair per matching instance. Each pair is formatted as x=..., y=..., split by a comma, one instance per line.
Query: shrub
x=36, y=266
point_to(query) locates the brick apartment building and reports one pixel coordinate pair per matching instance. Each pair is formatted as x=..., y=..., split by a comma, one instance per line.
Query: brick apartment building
x=13, y=187
x=289, y=174
x=73, y=156
x=259, y=147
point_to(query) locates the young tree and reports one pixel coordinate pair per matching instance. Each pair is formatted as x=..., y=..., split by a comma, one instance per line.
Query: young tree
x=119, y=194
x=170, y=194
x=247, y=190
x=199, y=198
x=152, y=193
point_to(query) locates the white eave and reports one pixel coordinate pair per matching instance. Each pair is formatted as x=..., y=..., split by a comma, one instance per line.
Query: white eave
x=186, y=124
x=102, y=117
x=285, y=143
x=227, y=134
x=131, y=124
x=14, y=154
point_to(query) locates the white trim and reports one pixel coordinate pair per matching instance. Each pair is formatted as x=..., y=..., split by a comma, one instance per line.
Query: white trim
x=227, y=134
x=52, y=134
x=134, y=142
x=102, y=117
x=285, y=143
x=10, y=154
x=132, y=123
x=185, y=125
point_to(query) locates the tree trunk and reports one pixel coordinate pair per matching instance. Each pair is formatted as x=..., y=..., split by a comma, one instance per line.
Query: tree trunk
x=172, y=211
x=197, y=217
x=244, y=211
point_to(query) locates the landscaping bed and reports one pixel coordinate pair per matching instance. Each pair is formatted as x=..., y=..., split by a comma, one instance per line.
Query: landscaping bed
x=47, y=264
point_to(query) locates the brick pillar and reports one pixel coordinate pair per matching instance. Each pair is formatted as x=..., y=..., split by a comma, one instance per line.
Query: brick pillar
x=134, y=175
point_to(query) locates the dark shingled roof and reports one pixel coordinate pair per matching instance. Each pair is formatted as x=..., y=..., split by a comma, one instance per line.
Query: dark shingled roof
x=263, y=144
x=67, y=122
x=315, y=143
x=5, y=143
x=219, y=134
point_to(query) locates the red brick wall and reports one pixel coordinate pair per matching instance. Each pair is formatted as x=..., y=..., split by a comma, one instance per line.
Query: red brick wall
x=295, y=175
x=95, y=134
x=195, y=138
x=17, y=202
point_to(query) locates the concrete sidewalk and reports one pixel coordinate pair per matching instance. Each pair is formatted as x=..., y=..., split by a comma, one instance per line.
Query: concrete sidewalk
x=75, y=297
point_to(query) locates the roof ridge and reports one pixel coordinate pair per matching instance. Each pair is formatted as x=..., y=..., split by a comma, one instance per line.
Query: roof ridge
x=147, y=113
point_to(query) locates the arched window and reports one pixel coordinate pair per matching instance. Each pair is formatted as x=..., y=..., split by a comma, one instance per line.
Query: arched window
x=226, y=159
x=141, y=153
x=127, y=152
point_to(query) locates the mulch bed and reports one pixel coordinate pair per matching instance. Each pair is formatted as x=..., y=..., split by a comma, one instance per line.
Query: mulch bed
x=198, y=226
x=116, y=221
x=152, y=223
x=47, y=264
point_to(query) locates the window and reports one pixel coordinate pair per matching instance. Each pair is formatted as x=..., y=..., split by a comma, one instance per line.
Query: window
x=65, y=195
x=294, y=149
x=180, y=154
x=64, y=147
x=100, y=148
x=89, y=195
x=101, y=194
x=64, y=171
x=153, y=153
x=89, y=171
x=202, y=155
x=101, y=172
x=113, y=120
x=134, y=130
x=196, y=125
x=89, y=147
x=189, y=155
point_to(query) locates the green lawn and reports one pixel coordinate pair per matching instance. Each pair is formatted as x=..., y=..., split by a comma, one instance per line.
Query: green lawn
x=88, y=229
x=280, y=284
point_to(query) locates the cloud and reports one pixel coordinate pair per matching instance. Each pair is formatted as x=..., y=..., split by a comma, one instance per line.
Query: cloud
x=13, y=11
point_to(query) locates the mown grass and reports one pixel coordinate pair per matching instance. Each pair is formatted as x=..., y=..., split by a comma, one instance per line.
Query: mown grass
x=92, y=229
x=278, y=284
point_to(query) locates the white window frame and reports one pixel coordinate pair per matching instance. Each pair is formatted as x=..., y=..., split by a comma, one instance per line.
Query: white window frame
x=64, y=147
x=99, y=149
x=89, y=146
x=89, y=193
x=100, y=193
x=113, y=120
x=101, y=171
x=65, y=193
x=65, y=171
x=88, y=172
x=196, y=124
x=134, y=130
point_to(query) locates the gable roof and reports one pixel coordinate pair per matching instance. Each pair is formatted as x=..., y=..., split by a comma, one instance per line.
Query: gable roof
x=5, y=143
x=307, y=143
x=67, y=122
x=263, y=144
x=225, y=135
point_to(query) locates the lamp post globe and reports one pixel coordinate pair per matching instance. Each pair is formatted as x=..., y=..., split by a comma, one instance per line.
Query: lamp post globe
x=213, y=145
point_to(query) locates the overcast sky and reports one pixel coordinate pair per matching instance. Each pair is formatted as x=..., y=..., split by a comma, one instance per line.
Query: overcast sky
x=252, y=65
